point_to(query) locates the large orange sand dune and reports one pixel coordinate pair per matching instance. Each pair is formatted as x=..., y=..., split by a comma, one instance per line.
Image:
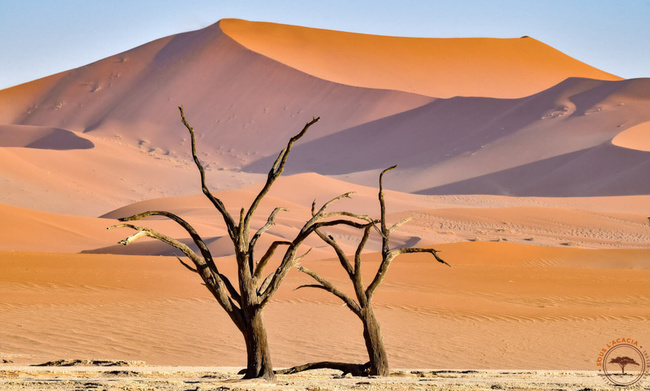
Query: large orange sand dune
x=442, y=67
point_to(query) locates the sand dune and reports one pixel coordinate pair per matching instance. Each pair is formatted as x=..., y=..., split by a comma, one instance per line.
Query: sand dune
x=475, y=140
x=443, y=67
x=246, y=103
x=603, y=170
x=614, y=222
x=134, y=96
x=439, y=149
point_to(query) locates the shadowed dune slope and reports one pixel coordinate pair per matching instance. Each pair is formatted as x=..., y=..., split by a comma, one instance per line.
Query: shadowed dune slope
x=39, y=137
x=243, y=104
x=458, y=139
x=601, y=170
x=440, y=67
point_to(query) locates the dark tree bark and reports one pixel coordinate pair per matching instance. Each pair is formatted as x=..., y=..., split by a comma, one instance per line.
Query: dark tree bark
x=257, y=348
x=374, y=343
x=362, y=307
x=353, y=369
x=245, y=302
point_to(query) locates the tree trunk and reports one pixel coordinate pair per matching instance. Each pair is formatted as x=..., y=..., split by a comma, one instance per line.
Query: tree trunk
x=257, y=348
x=374, y=343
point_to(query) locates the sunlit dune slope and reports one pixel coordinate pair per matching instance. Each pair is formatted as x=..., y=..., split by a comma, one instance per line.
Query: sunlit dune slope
x=29, y=230
x=636, y=137
x=439, y=67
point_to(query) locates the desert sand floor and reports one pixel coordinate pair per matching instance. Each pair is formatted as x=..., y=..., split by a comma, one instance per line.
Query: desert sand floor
x=205, y=378
x=500, y=306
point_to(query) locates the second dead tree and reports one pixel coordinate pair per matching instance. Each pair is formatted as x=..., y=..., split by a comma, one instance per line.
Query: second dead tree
x=362, y=306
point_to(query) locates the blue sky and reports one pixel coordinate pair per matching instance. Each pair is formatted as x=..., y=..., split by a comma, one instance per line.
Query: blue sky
x=42, y=37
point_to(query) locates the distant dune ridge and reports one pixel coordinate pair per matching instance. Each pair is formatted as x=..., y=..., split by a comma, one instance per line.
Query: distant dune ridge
x=528, y=168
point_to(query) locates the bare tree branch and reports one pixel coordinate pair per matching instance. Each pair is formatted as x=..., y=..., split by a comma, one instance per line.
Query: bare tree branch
x=259, y=269
x=269, y=278
x=382, y=203
x=218, y=204
x=300, y=257
x=221, y=286
x=410, y=250
x=190, y=268
x=269, y=223
x=322, y=209
x=399, y=224
x=360, y=247
x=200, y=243
x=265, y=284
x=144, y=231
x=389, y=257
x=316, y=286
x=289, y=256
x=339, y=252
x=207, y=256
x=328, y=286
x=275, y=172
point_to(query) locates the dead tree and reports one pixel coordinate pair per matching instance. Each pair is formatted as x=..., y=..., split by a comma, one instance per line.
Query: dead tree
x=245, y=301
x=362, y=307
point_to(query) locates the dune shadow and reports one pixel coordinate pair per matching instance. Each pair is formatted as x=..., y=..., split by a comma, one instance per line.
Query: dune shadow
x=156, y=248
x=38, y=137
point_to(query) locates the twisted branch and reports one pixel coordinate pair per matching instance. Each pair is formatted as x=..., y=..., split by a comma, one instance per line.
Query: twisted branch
x=274, y=172
x=259, y=269
x=339, y=252
x=221, y=283
x=200, y=243
x=218, y=204
x=328, y=286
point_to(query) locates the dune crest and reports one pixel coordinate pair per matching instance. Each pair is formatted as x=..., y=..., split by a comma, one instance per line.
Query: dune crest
x=437, y=67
